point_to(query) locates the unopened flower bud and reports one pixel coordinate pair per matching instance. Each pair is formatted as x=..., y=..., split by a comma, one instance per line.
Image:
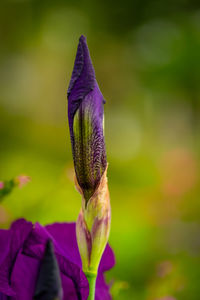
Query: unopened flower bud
x=85, y=113
x=7, y=186
x=48, y=286
x=22, y=180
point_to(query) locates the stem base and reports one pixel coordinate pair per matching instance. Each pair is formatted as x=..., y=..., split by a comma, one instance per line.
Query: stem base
x=91, y=277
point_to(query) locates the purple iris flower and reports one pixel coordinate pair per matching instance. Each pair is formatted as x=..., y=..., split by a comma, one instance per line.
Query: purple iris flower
x=22, y=252
x=85, y=114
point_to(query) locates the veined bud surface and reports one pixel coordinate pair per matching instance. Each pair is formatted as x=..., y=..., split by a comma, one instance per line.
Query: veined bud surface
x=85, y=115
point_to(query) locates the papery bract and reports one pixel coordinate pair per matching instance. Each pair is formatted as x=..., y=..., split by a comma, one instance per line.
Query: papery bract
x=93, y=226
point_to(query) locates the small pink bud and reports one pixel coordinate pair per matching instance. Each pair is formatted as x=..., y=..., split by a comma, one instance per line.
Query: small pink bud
x=1, y=185
x=22, y=180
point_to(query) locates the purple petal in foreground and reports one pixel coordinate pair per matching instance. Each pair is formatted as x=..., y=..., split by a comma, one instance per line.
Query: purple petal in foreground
x=22, y=249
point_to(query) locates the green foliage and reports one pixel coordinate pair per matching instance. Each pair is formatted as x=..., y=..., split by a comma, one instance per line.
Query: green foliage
x=147, y=60
x=7, y=188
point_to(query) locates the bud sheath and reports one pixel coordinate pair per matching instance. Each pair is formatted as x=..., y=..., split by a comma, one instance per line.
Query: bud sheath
x=93, y=226
x=85, y=115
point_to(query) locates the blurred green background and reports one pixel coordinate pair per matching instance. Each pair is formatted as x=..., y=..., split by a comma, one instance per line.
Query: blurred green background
x=147, y=60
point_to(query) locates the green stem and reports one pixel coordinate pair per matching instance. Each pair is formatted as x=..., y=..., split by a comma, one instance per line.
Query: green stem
x=91, y=277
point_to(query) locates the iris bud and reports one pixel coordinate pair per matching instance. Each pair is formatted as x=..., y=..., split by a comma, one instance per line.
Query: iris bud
x=85, y=114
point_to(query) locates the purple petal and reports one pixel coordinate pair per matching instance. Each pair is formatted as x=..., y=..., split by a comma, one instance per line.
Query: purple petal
x=5, y=238
x=107, y=260
x=102, y=289
x=22, y=250
x=69, y=289
x=65, y=236
x=16, y=236
x=85, y=114
x=24, y=276
x=35, y=246
x=3, y=296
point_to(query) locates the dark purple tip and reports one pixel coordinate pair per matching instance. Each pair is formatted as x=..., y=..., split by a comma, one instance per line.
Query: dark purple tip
x=82, y=80
x=48, y=285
